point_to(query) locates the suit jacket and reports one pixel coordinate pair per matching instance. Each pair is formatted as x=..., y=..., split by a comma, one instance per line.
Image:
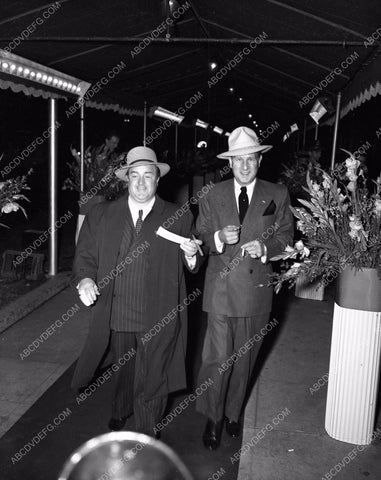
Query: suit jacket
x=232, y=282
x=96, y=257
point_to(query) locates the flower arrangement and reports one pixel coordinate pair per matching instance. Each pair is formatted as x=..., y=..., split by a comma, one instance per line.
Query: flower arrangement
x=99, y=165
x=294, y=172
x=10, y=194
x=340, y=225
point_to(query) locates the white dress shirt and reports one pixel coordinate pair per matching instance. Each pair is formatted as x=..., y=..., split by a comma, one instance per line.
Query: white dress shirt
x=237, y=192
x=134, y=209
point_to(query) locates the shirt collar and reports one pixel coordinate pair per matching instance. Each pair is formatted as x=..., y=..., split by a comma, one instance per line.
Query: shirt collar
x=135, y=206
x=249, y=188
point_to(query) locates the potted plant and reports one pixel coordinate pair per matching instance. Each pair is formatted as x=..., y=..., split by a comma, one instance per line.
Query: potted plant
x=10, y=195
x=293, y=175
x=100, y=183
x=99, y=179
x=340, y=225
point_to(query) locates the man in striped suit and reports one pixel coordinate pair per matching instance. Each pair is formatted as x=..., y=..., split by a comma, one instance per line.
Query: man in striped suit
x=134, y=281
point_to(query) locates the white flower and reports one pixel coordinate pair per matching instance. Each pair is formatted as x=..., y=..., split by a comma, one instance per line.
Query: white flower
x=356, y=227
x=326, y=183
x=377, y=206
x=352, y=176
x=352, y=163
x=10, y=207
x=315, y=187
x=351, y=186
x=303, y=250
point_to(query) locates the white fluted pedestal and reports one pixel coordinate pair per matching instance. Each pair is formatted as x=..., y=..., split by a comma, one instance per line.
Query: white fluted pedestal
x=353, y=375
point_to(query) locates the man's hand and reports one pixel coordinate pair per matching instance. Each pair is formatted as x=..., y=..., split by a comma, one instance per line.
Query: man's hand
x=88, y=291
x=191, y=247
x=255, y=249
x=229, y=234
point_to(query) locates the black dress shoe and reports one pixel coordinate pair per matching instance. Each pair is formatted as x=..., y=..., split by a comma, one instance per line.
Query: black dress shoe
x=116, y=424
x=233, y=428
x=212, y=434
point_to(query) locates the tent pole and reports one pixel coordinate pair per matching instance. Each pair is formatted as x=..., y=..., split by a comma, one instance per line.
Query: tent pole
x=53, y=188
x=304, y=134
x=336, y=129
x=145, y=124
x=82, y=146
x=176, y=141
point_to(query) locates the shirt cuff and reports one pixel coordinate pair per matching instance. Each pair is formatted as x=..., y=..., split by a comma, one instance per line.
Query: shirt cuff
x=264, y=256
x=217, y=241
x=191, y=262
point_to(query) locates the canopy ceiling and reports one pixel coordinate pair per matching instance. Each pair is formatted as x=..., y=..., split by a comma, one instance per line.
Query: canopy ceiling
x=305, y=41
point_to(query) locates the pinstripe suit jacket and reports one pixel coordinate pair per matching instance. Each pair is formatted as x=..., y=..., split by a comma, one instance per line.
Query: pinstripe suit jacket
x=96, y=257
x=231, y=283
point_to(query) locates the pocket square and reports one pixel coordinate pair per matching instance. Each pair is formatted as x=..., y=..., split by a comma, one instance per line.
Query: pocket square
x=270, y=208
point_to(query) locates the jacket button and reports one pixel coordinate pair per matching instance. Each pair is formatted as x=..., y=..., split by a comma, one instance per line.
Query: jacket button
x=251, y=270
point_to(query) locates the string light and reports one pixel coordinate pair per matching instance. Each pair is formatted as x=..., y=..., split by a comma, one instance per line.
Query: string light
x=200, y=123
x=16, y=65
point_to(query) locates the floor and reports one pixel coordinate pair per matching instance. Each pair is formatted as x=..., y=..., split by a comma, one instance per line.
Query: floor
x=284, y=435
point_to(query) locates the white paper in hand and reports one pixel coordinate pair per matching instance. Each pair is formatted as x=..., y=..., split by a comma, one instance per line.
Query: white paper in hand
x=172, y=237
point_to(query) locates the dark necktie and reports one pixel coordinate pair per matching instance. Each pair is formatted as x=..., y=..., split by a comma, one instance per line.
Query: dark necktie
x=243, y=203
x=139, y=222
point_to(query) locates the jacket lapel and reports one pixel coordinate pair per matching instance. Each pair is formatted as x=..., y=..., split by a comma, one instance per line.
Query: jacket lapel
x=252, y=227
x=114, y=229
x=152, y=220
x=229, y=205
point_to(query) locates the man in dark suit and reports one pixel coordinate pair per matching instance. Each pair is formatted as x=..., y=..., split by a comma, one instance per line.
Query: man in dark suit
x=135, y=281
x=243, y=222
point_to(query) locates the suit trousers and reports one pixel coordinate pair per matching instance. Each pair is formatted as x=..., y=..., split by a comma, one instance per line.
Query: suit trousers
x=230, y=373
x=129, y=384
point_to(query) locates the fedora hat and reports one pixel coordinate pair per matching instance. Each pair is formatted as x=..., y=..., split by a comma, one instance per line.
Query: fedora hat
x=141, y=156
x=243, y=141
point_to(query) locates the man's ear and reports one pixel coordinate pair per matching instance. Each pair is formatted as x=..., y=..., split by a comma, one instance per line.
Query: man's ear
x=230, y=162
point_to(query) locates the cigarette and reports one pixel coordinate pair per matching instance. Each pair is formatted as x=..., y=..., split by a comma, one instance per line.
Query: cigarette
x=198, y=246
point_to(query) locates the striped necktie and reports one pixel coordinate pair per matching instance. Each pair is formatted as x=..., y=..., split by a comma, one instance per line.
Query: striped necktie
x=139, y=222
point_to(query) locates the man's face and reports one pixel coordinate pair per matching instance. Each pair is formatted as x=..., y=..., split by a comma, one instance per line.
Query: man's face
x=112, y=143
x=142, y=183
x=245, y=167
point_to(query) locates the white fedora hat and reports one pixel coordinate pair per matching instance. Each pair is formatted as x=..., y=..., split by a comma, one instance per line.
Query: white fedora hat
x=141, y=156
x=243, y=141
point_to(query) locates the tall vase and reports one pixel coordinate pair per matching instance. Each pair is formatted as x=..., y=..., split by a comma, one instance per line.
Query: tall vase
x=308, y=290
x=355, y=357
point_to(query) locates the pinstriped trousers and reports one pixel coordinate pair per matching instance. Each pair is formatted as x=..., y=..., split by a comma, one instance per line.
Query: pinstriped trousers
x=224, y=336
x=129, y=384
